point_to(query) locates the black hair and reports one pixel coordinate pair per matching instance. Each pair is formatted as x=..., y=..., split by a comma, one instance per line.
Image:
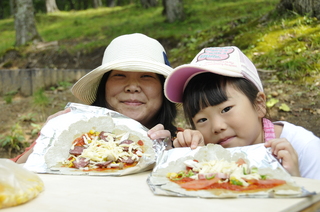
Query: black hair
x=209, y=89
x=165, y=116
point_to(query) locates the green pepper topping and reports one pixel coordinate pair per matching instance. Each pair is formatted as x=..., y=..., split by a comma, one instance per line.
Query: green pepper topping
x=254, y=170
x=244, y=171
x=209, y=178
x=190, y=173
x=236, y=182
x=263, y=177
x=183, y=174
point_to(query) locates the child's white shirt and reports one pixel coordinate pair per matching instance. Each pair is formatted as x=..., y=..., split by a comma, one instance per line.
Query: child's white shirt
x=307, y=146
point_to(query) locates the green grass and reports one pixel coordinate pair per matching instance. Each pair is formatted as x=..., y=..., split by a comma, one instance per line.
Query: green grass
x=290, y=46
x=287, y=43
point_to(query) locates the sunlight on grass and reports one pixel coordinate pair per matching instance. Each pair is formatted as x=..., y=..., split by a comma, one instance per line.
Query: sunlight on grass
x=289, y=44
x=107, y=23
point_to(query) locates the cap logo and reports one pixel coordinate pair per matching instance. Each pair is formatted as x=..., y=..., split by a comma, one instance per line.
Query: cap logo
x=215, y=53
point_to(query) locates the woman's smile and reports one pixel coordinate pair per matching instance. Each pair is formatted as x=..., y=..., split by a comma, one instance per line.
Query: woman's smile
x=132, y=102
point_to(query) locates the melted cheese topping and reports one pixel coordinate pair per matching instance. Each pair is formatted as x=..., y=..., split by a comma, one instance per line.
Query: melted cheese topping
x=98, y=150
x=225, y=168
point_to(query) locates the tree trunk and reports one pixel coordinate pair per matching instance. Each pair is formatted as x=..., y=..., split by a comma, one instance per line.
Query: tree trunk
x=12, y=12
x=149, y=3
x=111, y=3
x=302, y=7
x=173, y=10
x=96, y=3
x=24, y=22
x=51, y=6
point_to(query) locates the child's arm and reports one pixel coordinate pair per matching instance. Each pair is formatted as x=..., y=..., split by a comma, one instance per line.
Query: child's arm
x=283, y=150
x=189, y=138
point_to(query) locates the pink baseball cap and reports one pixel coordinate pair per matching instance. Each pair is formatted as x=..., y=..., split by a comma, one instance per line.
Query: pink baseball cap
x=225, y=61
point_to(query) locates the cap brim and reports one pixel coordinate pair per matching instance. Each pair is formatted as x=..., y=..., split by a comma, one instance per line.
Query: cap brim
x=86, y=87
x=179, y=78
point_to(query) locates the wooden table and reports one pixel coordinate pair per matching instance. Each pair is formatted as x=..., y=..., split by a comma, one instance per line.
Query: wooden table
x=131, y=193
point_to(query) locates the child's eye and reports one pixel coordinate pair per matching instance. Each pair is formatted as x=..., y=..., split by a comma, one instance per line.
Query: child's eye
x=226, y=109
x=201, y=120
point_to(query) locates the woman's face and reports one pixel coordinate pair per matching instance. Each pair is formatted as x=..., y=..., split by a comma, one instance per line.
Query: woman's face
x=137, y=95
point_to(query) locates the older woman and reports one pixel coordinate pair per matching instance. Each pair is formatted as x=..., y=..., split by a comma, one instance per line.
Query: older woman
x=129, y=81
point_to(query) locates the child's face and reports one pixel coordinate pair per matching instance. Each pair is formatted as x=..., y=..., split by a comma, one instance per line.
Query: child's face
x=235, y=122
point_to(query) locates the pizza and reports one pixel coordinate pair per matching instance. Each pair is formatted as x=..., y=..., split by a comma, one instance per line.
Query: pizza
x=98, y=145
x=213, y=172
x=100, y=151
x=213, y=175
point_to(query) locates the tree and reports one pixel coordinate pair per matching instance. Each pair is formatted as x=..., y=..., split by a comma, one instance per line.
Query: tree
x=173, y=10
x=111, y=3
x=303, y=7
x=51, y=6
x=96, y=3
x=24, y=22
x=149, y=3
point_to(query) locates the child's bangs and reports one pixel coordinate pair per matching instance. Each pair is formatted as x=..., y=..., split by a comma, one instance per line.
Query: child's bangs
x=202, y=91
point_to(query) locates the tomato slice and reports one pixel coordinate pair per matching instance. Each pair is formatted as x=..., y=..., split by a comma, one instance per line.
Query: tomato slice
x=140, y=143
x=273, y=182
x=79, y=141
x=199, y=184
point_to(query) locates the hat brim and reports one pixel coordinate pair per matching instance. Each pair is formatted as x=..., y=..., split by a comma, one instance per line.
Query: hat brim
x=179, y=78
x=86, y=87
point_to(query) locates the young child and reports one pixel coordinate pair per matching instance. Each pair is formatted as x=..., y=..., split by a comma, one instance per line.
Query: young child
x=223, y=98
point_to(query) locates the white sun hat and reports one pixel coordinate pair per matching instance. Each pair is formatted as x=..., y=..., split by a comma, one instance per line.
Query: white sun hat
x=133, y=53
x=225, y=61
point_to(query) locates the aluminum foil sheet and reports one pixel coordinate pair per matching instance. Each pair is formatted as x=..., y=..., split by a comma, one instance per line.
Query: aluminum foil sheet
x=55, y=127
x=256, y=156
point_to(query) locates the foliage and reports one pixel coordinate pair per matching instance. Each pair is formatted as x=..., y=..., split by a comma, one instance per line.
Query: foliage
x=40, y=99
x=30, y=117
x=288, y=43
x=71, y=5
x=61, y=86
x=14, y=142
x=290, y=46
x=35, y=129
x=40, y=102
x=8, y=96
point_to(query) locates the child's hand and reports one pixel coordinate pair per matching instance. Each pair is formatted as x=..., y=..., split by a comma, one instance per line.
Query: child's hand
x=189, y=138
x=158, y=132
x=282, y=149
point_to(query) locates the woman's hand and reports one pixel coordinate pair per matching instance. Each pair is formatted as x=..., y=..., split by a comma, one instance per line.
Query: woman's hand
x=158, y=132
x=189, y=138
x=282, y=149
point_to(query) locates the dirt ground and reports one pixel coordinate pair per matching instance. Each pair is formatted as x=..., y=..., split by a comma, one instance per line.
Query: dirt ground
x=304, y=102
